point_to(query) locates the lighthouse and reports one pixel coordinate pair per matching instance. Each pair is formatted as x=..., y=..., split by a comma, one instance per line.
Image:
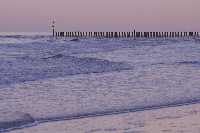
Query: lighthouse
x=53, y=27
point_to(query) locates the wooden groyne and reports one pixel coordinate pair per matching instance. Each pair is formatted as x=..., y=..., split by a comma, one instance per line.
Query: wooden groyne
x=133, y=34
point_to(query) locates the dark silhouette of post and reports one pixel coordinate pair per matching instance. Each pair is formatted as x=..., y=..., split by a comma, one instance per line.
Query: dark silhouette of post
x=53, y=27
x=62, y=34
x=116, y=35
x=190, y=34
x=165, y=34
x=172, y=34
x=156, y=34
x=134, y=33
x=119, y=35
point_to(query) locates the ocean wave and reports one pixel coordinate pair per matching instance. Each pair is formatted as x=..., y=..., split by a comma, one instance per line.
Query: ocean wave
x=15, y=120
x=30, y=69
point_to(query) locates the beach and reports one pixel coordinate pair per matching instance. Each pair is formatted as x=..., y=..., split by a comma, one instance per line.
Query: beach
x=181, y=119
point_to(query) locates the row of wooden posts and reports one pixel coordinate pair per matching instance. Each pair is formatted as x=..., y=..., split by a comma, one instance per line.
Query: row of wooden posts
x=126, y=34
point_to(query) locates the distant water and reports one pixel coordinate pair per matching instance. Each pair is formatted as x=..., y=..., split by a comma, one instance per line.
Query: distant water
x=44, y=79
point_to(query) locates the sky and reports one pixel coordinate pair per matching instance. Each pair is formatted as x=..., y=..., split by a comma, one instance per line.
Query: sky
x=99, y=15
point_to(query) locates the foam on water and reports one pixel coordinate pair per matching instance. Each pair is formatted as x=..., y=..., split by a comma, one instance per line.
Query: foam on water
x=44, y=79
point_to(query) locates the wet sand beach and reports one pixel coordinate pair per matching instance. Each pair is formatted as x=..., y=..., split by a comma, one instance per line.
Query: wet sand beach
x=181, y=119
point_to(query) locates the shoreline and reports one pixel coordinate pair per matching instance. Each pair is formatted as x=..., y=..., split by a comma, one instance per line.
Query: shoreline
x=194, y=107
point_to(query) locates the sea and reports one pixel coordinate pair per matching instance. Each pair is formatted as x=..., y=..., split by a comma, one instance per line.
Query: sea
x=44, y=78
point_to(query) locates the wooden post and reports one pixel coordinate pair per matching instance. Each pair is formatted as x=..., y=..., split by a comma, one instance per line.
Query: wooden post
x=53, y=28
x=195, y=34
x=60, y=33
x=90, y=34
x=145, y=34
x=134, y=33
x=112, y=35
x=172, y=34
x=151, y=35
x=73, y=34
x=106, y=34
x=116, y=35
x=128, y=35
x=84, y=33
x=190, y=34
x=137, y=34
x=119, y=35
x=81, y=34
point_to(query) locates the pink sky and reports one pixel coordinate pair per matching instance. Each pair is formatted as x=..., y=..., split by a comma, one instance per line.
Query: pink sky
x=100, y=15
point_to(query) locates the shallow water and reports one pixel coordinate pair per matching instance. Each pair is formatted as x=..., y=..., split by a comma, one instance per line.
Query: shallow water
x=43, y=78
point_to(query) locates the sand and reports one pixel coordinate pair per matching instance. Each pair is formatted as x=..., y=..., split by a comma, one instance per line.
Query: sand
x=181, y=119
